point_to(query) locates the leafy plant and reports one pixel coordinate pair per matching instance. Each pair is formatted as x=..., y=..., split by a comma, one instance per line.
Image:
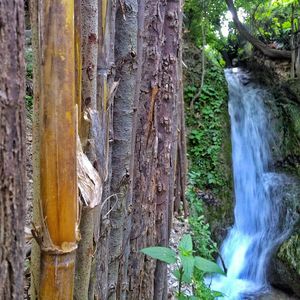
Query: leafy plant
x=187, y=264
x=206, y=131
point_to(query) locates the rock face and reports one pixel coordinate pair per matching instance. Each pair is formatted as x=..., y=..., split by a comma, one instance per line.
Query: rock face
x=284, y=104
x=285, y=269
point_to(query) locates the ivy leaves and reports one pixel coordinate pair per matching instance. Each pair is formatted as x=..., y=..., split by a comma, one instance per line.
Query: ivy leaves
x=206, y=125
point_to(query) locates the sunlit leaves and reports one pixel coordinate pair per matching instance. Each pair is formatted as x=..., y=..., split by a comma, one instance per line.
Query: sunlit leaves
x=164, y=254
x=186, y=264
x=207, y=266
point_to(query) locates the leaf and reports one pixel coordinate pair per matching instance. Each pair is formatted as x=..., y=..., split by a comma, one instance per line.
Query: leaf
x=188, y=267
x=164, y=254
x=186, y=243
x=182, y=297
x=176, y=273
x=218, y=294
x=207, y=266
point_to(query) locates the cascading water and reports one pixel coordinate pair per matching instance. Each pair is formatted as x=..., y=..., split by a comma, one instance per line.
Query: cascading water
x=257, y=229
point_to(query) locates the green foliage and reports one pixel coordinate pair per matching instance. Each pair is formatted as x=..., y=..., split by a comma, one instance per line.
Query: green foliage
x=268, y=20
x=29, y=63
x=204, y=15
x=29, y=103
x=29, y=75
x=188, y=264
x=207, y=131
x=205, y=123
x=203, y=244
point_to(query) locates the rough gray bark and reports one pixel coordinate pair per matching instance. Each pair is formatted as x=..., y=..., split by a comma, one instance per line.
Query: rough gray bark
x=269, y=52
x=125, y=55
x=12, y=152
x=141, y=268
x=105, y=94
x=167, y=124
x=89, y=51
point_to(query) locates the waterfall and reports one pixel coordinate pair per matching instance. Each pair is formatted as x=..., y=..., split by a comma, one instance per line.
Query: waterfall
x=258, y=228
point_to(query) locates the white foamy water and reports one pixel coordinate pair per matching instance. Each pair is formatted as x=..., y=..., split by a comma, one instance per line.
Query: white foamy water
x=256, y=232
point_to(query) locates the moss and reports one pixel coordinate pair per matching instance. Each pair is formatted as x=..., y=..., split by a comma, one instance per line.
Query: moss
x=289, y=253
x=209, y=143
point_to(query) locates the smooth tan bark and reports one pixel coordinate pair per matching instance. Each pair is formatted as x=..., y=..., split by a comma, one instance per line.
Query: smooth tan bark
x=57, y=135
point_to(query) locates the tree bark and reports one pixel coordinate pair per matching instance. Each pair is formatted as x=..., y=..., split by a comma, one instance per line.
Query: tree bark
x=167, y=105
x=269, y=52
x=106, y=88
x=12, y=152
x=88, y=97
x=125, y=55
x=36, y=217
x=143, y=234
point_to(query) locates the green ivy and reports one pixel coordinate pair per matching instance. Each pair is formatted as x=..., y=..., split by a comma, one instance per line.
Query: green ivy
x=206, y=126
x=205, y=122
x=29, y=76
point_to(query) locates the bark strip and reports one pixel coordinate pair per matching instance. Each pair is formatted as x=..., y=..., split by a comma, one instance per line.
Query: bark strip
x=12, y=152
x=125, y=54
x=58, y=150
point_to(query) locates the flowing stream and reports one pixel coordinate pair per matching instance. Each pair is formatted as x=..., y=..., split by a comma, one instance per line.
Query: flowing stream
x=258, y=228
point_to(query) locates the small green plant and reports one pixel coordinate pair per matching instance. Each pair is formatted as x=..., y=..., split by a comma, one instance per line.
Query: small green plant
x=187, y=264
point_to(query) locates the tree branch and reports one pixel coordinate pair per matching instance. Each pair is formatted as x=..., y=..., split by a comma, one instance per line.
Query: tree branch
x=265, y=49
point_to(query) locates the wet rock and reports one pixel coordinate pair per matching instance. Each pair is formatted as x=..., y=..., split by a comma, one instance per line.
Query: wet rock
x=276, y=295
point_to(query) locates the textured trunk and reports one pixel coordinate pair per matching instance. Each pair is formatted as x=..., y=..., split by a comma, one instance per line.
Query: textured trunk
x=88, y=55
x=102, y=136
x=12, y=152
x=58, y=171
x=143, y=233
x=167, y=124
x=181, y=161
x=125, y=53
x=269, y=52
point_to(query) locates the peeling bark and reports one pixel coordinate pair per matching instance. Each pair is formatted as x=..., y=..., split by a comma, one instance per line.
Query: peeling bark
x=12, y=153
x=88, y=97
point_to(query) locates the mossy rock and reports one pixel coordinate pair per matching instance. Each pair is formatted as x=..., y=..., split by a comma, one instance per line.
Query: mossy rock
x=285, y=269
x=289, y=253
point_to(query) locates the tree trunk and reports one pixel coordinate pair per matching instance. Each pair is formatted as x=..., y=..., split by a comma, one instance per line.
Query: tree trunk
x=88, y=54
x=269, y=52
x=105, y=94
x=143, y=234
x=58, y=235
x=167, y=124
x=125, y=54
x=12, y=152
